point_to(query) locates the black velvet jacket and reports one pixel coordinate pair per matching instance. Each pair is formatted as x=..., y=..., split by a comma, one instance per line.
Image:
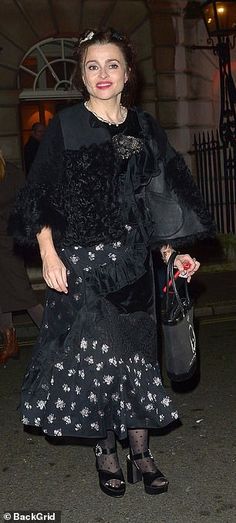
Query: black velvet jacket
x=74, y=187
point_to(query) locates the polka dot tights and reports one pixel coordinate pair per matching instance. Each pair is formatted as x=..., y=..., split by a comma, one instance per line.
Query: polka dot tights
x=138, y=440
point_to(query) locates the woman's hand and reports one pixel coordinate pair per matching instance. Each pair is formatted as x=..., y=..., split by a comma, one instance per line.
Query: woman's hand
x=185, y=259
x=54, y=272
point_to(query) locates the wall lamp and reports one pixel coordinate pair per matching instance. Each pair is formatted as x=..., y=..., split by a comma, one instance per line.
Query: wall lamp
x=220, y=22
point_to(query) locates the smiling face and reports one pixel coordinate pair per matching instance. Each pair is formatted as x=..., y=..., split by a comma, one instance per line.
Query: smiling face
x=104, y=71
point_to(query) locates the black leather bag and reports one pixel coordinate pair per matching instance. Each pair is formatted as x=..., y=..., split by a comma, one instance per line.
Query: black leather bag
x=178, y=329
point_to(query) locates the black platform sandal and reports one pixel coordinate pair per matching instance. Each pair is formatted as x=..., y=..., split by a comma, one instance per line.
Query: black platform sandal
x=105, y=476
x=134, y=474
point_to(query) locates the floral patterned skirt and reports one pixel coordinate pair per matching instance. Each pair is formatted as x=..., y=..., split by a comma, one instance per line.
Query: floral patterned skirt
x=94, y=366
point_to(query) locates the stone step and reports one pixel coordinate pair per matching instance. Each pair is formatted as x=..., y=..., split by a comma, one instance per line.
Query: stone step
x=26, y=330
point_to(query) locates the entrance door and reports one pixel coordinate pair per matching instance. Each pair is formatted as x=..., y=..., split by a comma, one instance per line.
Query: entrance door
x=38, y=111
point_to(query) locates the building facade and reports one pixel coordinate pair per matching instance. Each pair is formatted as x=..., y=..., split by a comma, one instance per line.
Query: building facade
x=177, y=85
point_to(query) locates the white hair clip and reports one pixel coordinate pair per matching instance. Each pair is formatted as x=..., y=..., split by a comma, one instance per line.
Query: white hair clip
x=88, y=37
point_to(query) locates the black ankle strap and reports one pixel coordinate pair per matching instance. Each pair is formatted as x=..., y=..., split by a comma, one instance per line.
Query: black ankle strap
x=99, y=450
x=141, y=455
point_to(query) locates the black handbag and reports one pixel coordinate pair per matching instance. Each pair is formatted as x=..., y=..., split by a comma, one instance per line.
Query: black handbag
x=178, y=329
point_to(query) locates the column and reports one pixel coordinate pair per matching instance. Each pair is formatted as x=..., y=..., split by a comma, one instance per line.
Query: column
x=169, y=60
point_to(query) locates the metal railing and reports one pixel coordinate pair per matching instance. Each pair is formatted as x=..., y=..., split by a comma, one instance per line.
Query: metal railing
x=216, y=178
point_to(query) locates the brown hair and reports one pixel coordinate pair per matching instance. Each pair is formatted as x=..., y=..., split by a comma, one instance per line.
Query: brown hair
x=106, y=36
x=2, y=166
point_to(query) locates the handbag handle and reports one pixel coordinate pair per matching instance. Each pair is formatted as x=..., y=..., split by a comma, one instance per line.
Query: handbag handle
x=170, y=277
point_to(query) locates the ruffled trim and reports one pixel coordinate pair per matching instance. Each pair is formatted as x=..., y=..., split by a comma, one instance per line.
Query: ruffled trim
x=106, y=280
x=113, y=276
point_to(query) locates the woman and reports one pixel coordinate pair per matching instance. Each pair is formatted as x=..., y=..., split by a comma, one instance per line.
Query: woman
x=94, y=371
x=16, y=293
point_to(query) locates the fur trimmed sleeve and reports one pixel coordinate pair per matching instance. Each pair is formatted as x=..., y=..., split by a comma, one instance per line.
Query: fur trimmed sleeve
x=178, y=213
x=38, y=202
x=181, y=182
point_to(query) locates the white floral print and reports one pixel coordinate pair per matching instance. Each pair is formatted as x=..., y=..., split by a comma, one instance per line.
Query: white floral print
x=166, y=401
x=85, y=412
x=83, y=343
x=150, y=396
x=66, y=387
x=149, y=407
x=94, y=426
x=57, y=432
x=104, y=348
x=113, y=361
x=59, y=366
x=27, y=405
x=74, y=259
x=41, y=404
x=108, y=379
x=157, y=381
x=116, y=245
x=51, y=418
x=92, y=397
x=89, y=359
x=115, y=396
x=71, y=372
x=60, y=404
x=112, y=256
x=78, y=390
x=112, y=388
x=67, y=419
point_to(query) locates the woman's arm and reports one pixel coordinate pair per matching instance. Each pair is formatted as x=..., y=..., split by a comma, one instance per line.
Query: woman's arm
x=54, y=271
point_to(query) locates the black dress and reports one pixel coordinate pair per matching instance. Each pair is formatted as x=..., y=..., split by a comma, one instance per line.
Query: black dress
x=94, y=367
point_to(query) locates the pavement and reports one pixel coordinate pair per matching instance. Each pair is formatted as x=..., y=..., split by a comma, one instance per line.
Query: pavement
x=198, y=457
x=214, y=292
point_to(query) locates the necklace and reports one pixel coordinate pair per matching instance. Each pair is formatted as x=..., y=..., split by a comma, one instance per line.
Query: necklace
x=108, y=121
